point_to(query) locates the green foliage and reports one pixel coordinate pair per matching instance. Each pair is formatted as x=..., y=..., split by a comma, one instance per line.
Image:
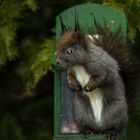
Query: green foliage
x=22, y=56
x=9, y=129
x=8, y=29
x=32, y=4
x=134, y=126
x=10, y=13
x=41, y=62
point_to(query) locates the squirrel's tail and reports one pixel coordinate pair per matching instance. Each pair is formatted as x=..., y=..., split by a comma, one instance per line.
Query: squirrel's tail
x=129, y=63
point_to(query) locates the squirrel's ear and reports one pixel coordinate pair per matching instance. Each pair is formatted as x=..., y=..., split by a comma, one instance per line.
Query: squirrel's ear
x=79, y=37
x=77, y=25
x=63, y=27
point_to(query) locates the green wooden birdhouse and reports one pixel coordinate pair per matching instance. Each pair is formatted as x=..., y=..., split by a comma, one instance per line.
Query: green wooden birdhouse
x=86, y=14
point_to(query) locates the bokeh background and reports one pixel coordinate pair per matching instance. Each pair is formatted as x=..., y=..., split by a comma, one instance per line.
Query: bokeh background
x=27, y=48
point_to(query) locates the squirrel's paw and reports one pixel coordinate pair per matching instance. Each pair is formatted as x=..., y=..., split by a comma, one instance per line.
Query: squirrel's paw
x=86, y=133
x=75, y=86
x=88, y=89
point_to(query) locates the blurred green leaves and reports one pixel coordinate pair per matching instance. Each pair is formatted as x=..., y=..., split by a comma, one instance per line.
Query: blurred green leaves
x=134, y=125
x=41, y=62
x=10, y=13
x=8, y=28
x=9, y=129
x=32, y=4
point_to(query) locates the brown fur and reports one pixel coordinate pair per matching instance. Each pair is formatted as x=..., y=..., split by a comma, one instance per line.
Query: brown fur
x=69, y=38
x=66, y=39
x=71, y=79
x=72, y=82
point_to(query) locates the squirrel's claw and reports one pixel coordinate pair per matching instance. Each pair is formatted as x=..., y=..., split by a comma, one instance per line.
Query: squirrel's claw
x=88, y=89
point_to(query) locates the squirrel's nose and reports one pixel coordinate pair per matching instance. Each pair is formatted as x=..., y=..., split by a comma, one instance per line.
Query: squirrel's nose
x=58, y=61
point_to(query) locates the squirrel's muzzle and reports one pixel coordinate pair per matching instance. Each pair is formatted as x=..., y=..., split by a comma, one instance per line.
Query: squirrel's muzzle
x=59, y=62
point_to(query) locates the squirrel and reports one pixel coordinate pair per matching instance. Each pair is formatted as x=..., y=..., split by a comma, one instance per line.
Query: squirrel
x=98, y=69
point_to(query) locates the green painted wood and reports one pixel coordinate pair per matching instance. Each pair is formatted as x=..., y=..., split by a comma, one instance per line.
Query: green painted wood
x=76, y=137
x=103, y=14
x=96, y=137
x=57, y=91
x=85, y=12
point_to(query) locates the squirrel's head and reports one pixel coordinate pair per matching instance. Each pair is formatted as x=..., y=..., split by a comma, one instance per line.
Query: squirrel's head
x=71, y=49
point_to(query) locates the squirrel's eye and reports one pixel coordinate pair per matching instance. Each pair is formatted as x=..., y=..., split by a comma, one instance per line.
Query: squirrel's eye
x=69, y=51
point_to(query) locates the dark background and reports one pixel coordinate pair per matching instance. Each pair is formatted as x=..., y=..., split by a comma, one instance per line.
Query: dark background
x=27, y=47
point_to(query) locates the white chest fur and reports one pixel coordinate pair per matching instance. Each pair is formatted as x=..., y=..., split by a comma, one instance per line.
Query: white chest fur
x=95, y=97
x=81, y=75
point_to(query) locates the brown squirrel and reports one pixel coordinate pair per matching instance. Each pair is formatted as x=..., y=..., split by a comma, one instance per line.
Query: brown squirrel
x=95, y=65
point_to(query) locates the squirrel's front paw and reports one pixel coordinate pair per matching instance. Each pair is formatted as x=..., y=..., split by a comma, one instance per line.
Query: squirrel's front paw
x=74, y=85
x=88, y=89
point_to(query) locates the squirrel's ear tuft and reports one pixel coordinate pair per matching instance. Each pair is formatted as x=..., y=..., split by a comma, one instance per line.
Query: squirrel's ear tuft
x=63, y=27
x=77, y=26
